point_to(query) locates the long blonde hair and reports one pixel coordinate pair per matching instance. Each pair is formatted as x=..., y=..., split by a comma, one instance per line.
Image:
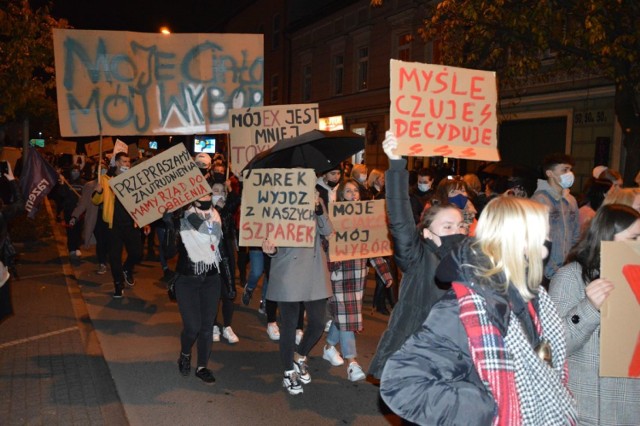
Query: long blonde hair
x=511, y=232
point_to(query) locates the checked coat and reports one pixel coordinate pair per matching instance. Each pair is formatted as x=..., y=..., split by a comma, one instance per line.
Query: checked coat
x=348, y=279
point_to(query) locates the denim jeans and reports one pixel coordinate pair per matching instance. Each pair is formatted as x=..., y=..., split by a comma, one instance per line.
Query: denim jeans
x=256, y=269
x=347, y=340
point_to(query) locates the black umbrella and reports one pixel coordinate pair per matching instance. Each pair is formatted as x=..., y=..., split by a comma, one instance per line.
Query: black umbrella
x=318, y=149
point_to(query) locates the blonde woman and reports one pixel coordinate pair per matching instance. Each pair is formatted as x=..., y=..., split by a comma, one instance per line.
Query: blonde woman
x=497, y=311
x=625, y=196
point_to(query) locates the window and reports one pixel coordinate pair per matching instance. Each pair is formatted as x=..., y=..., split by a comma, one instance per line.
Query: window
x=404, y=47
x=363, y=68
x=275, y=35
x=306, y=83
x=275, y=89
x=338, y=74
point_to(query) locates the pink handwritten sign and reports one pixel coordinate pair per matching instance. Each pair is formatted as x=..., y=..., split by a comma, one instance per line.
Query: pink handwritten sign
x=439, y=110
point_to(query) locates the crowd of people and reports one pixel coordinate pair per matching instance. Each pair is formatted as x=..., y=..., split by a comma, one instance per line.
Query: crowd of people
x=496, y=317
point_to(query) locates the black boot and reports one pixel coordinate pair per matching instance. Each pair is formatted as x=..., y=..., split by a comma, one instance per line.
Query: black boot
x=379, y=297
x=184, y=364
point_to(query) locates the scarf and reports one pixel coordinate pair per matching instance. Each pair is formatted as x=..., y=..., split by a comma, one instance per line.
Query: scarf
x=527, y=390
x=202, y=244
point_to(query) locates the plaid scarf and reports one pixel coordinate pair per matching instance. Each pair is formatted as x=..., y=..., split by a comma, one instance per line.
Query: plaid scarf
x=526, y=389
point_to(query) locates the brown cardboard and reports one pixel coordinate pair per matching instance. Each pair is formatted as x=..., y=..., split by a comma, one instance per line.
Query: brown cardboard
x=360, y=230
x=64, y=147
x=162, y=183
x=278, y=204
x=439, y=110
x=253, y=130
x=620, y=313
x=93, y=148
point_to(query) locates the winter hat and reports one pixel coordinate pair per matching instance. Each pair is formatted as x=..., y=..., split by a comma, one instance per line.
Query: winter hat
x=203, y=160
x=597, y=171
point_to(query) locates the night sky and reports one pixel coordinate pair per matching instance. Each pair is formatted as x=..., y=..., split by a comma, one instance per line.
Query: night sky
x=180, y=16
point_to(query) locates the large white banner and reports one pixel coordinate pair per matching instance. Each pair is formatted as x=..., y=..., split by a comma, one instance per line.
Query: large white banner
x=126, y=83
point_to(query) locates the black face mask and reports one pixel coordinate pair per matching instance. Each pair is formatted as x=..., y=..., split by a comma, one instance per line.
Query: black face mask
x=332, y=184
x=219, y=178
x=203, y=205
x=448, y=243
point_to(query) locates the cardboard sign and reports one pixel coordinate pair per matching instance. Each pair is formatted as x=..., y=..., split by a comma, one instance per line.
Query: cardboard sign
x=11, y=155
x=126, y=83
x=360, y=230
x=620, y=313
x=65, y=147
x=278, y=204
x=254, y=130
x=444, y=111
x=163, y=183
x=93, y=148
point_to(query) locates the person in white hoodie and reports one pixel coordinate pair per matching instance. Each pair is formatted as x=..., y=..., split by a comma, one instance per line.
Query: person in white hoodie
x=564, y=224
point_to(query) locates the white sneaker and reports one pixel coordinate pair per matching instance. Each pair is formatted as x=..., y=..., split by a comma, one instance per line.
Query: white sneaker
x=299, y=335
x=273, y=331
x=331, y=354
x=291, y=382
x=78, y=253
x=354, y=372
x=327, y=326
x=216, y=333
x=227, y=333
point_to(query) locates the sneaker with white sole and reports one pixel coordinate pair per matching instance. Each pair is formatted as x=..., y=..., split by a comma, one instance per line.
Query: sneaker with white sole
x=355, y=372
x=262, y=310
x=331, y=354
x=227, y=333
x=301, y=367
x=128, y=278
x=216, y=334
x=291, y=382
x=299, y=336
x=273, y=331
x=102, y=269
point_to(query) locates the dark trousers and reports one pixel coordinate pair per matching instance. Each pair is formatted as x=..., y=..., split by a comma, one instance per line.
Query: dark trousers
x=74, y=233
x=129, y=238
x=227, y=306
x=198, y=304
x=289, y=315
x=101, y=232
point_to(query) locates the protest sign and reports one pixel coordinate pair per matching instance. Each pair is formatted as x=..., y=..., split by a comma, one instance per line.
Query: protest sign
x=11, y=155
x=254, y=130
x=93, y=148
x=444, y=111
x=160, y=184
x=360, y=230
x=278, y=204
x=620, y=313
x=64, y=147
x=126, y=83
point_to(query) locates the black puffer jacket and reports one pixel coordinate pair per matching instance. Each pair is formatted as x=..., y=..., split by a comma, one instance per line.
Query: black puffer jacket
x=416, y=258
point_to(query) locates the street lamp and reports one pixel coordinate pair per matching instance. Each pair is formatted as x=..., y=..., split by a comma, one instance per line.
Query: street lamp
x=165, y=30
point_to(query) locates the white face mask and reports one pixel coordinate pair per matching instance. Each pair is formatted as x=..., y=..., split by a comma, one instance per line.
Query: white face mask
x=362, y=179
x=216, y=198
x=123, y=169
x=423, y=187
x=566, y=180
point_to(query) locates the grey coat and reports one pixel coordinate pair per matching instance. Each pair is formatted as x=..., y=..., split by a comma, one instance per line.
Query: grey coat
x=601, y=400
x=300, y=274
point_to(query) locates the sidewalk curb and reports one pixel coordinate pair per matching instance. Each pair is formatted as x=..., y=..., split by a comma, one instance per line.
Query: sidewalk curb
x=86, y=328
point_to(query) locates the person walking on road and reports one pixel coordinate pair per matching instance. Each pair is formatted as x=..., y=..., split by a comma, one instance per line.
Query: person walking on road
x=123, y=231
x=199, y=273
x=300, y=274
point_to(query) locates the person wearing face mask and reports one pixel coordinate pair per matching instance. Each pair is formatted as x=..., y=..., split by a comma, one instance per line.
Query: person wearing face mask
x=226, y=205
x=69, y=194
x=348, y=279
x=417, y=252
x=327, y=185
x=579, y=291
x=123, y=231
x=564, y=220
x=359, y=174
x=202, y=266
x=422, y=192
